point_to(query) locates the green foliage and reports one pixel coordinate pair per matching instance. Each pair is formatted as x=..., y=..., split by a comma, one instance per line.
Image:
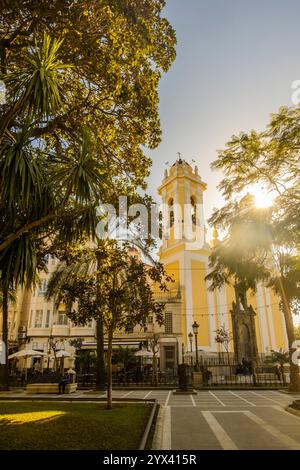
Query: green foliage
x=119, y=280
x=81, y=101
x=76, y=342
x=271, y=247
x=239, y=260
x=109, y=284
x=124, y=356
x=280, y=357
x=223, y=337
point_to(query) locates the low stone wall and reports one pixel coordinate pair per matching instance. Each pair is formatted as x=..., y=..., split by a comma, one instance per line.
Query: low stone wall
x=49, y=388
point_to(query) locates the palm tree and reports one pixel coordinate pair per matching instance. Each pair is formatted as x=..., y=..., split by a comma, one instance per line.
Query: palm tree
x=43, y=195
x=258, y=250
x=280, y=357
x=65, y=275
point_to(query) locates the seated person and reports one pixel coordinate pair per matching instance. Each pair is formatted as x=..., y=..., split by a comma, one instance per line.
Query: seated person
x=62, y=384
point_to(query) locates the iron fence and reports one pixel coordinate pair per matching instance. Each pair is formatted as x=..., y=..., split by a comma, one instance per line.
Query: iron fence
x=167, y=378
x=230, y=376
x=162, y=379
x=215, y=376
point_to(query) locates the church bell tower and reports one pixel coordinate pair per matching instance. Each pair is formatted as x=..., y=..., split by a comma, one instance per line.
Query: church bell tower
x=184, y=251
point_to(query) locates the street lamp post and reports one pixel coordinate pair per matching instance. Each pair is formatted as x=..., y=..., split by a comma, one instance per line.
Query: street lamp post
x=191, y=346
x=195, y=327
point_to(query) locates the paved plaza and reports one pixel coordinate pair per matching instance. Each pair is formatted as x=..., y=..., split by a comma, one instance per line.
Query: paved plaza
x=219, y=419
x=230, y=420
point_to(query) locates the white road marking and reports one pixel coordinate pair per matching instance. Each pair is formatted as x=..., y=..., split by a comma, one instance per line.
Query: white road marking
x=193, y=400
x=216, y=398
x=228, y=411
x=166, y=436
x=241, y=398
x=168, y=398
x=147, y=395
x=225, y=441
x=260, y=395
x=127, y=394
x=283, y=438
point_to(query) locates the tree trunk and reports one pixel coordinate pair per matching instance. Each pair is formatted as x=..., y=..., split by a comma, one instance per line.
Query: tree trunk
x=100, y=364
x=154, y=369
x=4, y=367
x=282, y=373
x=294, y=385
x=109, y=371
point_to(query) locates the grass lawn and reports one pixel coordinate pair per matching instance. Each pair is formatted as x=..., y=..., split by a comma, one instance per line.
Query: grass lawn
x=70, y=426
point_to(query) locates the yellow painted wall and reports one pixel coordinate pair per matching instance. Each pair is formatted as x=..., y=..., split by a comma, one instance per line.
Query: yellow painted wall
x=171, y=252
x=199, y=299
x=230, y=297
x=173, y=269
x=279, y=325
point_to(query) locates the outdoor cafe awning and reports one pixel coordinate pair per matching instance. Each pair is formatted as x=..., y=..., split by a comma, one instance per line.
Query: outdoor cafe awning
x=92, y=345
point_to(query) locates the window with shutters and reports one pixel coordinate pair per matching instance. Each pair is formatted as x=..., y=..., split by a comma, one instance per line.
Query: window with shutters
x=38, y=321
x=47, y=323
x=43, y=287
x=62, y=318
x=168, y=323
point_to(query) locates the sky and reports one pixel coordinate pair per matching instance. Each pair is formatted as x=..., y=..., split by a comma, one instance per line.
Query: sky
x=236, y=61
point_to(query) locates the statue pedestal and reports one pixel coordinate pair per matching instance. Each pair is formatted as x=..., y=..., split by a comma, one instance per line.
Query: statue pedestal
x=197, y=380
x=189, y=391
x=185, y=381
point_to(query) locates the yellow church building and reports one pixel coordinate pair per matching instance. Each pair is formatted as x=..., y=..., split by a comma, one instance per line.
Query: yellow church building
x=256, y=329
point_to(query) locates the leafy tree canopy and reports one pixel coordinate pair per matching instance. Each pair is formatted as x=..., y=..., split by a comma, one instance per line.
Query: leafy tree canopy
x=81, y=101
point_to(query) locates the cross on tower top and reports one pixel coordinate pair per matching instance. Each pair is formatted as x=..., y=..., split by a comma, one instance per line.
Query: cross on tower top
x=179, y=156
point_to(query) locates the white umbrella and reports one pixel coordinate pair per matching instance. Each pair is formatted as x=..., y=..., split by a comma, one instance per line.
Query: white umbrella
x=26, y=353
x=62, y=353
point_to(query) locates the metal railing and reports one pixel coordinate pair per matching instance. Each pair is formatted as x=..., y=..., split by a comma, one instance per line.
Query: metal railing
x=230, y=376
x=127, y=379
x=167, y=378
x=215, y=376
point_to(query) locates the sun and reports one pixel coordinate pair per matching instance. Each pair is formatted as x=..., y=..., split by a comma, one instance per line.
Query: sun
x=262, y=197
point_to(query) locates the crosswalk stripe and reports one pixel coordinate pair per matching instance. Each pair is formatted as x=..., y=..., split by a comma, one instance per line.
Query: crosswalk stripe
x=286, y=440
x=218, y=399
x=241, y=398
x=225, y=441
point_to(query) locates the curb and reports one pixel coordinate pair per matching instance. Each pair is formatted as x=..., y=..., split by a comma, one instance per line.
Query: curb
x=293, y=411
x=286, y=392
x=147, y=431
x=162, y=435
x=158, y=433
x=78, y=399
